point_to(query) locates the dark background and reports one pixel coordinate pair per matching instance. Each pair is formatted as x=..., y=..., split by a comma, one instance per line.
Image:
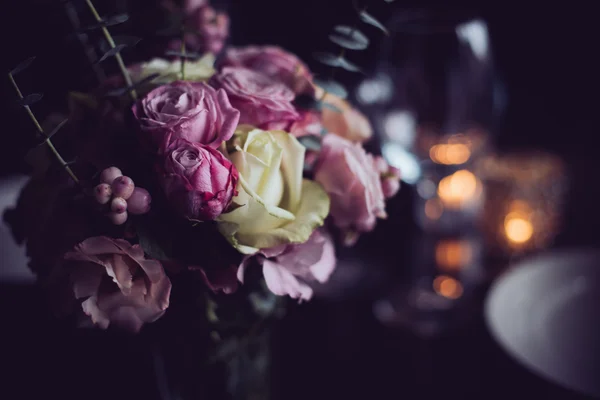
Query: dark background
x=546, y=55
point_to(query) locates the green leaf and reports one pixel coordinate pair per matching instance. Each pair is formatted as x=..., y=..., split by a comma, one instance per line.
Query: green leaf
x=371, y=20
x=349, y=38
x=30, y=99
x=150, y=243
x=22, y=65
x=336, y=61
x=188, y=55
x=56, y=129
x=324, y=104
x=310, y=142
x=333, y=87
x=112, y=52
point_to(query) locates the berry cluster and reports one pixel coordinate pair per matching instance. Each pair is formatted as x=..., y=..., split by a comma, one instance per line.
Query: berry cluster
x=122, y=195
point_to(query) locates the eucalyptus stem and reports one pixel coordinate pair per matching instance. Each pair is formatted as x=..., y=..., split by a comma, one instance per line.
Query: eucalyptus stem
x=112, y=45
x=183, y=56
x=47, y=140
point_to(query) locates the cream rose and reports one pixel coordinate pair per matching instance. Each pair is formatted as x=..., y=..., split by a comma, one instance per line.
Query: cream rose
x=275, y=205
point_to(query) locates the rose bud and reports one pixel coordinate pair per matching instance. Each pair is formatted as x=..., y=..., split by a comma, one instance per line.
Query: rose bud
x=102, y=193
x=110, y=174
x=139, y=202
x=123, y=187
x=118, y=205
x=198, y=180
x=118, y=219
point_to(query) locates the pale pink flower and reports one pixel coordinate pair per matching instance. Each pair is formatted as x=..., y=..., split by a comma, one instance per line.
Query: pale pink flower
x=120, y=286
x=351, y=178
x=288, y=269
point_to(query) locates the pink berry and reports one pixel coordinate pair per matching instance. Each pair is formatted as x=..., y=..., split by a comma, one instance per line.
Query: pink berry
x=139, y=202
x=118, y=205
x=118, y=219
x=102, y=193
x=110, y=174
x=123, y=187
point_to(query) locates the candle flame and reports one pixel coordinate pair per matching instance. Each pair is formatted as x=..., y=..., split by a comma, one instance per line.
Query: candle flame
x=518, y=228
x=458, y=188
x=450, y=154
x=447, y=287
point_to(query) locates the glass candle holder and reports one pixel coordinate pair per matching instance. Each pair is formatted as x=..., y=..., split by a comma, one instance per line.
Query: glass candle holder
x=450, y=196
x=523, y=207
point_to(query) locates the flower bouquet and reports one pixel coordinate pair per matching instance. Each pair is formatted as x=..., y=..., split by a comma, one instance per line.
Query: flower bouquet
x=222, y=186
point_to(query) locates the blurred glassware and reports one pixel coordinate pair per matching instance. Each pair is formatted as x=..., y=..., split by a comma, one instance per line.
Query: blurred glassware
x=446, y=272
x=434, y=79
x=434, y=125
x=523, y=207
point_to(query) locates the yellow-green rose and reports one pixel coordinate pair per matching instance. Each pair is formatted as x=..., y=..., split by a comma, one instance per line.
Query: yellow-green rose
x=170, y=71
x=275, y=205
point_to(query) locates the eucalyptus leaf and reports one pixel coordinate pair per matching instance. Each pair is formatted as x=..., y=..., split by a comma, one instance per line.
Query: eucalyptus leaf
x=73, y=161
x=328, y=59
x=114, y=20
x=150, y=244
x=324, y=104
x=187, y=55
x=128, y=40
x=336, y=61
x=112, y=52
x=22, y=65
x=371, y=20
x=349, y=38
x=30, y=99
x=349, y=66
x=310, y=142
x=57, y=128
x=121, y=91
x=332, y=87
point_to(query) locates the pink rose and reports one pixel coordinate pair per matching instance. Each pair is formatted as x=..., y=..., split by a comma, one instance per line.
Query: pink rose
x=186, y=110
x=287, y=269
x=120, y=285
x=345, y=120
x=262, y=101
x=198, y=180
x=351, y=178
x=274, y=62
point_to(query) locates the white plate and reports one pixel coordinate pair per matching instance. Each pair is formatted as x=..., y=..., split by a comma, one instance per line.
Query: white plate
x=545, y=312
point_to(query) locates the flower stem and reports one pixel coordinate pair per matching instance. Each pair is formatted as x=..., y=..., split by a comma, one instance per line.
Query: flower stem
x=41, y=131
x=183, y=57
x=112, y=45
